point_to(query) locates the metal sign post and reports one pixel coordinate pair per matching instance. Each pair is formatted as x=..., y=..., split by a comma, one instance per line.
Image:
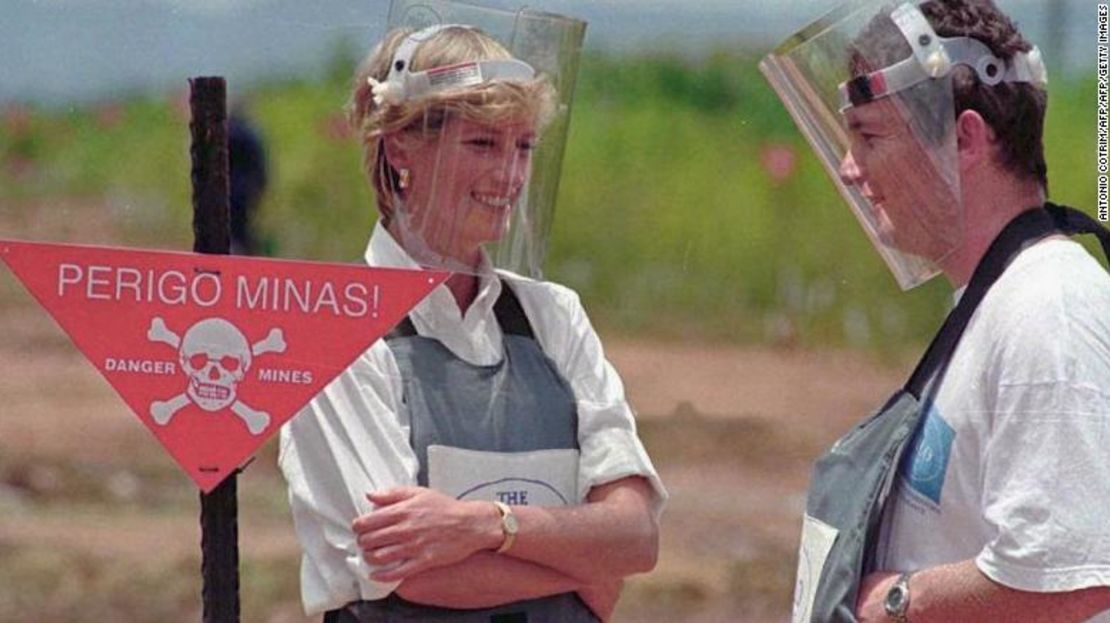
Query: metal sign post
x=219, y=510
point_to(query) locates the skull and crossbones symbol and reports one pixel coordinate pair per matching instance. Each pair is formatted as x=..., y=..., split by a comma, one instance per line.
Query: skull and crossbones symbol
x=216, y=356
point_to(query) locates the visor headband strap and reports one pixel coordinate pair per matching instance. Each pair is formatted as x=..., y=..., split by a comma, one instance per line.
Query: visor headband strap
x=402, y=58
x=403, y=84
x=934, y=57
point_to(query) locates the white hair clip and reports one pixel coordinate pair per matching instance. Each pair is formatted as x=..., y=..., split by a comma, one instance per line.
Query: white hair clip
x=386, y=92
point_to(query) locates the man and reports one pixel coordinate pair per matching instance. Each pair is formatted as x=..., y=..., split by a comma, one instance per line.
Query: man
x=246, y=156
x=999, y=506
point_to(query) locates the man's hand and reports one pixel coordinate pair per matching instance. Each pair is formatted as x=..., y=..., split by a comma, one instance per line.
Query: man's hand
x=872, y=594
x=414, y=529
x=961, y=592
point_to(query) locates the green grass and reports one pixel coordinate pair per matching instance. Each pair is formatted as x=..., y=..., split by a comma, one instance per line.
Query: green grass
x=667, y=222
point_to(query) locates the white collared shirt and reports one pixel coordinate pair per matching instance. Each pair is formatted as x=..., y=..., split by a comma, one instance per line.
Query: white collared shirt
x=353, y=438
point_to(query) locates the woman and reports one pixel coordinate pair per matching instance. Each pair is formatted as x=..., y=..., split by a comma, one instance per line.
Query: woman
x=494, y=391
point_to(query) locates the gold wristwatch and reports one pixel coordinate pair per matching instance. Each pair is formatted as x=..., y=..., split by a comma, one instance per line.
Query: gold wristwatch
x=509, y=526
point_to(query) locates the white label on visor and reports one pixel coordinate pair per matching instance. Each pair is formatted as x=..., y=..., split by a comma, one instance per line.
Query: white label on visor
x=461, y=75
x=818, y=538
x=537, y=478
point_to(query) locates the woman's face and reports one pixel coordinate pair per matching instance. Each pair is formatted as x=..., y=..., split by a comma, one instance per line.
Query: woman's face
x=464, y=183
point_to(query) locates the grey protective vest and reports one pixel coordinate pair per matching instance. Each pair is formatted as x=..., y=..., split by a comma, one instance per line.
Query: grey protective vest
x=850, y=483
x=519, y=404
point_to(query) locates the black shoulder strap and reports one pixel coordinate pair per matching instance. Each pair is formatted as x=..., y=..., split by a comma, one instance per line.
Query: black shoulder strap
x=1071, y=221
x=1023, y=231
x=404, y=328
x=510, y=316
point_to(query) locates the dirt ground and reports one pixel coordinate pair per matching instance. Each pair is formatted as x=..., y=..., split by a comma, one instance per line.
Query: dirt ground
x=94, y=518
x=98, y=524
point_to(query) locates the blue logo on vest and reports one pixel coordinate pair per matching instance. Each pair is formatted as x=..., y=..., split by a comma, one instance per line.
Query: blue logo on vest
x=926, y=464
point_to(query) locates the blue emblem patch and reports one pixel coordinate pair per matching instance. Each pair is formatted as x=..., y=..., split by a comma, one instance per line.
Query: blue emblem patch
x=926, y=464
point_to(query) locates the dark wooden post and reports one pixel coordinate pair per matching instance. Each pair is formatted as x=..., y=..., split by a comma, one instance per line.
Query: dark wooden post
x=219, y=510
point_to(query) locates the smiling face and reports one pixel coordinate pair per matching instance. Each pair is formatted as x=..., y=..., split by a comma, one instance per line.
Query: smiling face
x=465, y=179
x=914, y=205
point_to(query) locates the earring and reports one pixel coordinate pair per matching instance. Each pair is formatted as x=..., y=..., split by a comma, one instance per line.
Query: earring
x=404, y=178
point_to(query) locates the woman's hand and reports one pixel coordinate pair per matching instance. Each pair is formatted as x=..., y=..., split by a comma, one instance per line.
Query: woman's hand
x=602, y=597
x=414, y=529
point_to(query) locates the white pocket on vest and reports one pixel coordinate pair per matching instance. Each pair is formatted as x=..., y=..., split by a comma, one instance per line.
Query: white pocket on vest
x=537, y=478
x=818, y=539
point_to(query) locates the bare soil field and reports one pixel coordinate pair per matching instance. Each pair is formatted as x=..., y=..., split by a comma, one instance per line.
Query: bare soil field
x=97, y=524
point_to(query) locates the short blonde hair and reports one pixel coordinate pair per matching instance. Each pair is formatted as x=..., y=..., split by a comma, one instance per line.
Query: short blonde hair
x=490, y=102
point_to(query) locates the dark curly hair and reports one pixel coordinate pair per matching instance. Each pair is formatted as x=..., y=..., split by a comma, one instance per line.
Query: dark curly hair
x=1014, y=110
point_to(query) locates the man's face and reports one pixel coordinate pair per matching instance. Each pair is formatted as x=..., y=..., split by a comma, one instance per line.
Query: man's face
x=915, y=208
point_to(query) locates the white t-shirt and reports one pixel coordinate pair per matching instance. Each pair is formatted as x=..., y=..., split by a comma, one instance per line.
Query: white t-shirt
x=353, y=437
x=1012, y=468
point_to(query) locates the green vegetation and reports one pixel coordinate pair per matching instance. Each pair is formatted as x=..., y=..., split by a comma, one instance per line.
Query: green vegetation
x=689, y=206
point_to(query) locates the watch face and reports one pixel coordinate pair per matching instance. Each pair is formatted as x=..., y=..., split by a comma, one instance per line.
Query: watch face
x=896, y=600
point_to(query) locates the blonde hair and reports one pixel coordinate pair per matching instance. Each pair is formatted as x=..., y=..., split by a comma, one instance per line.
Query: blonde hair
x=490, y=102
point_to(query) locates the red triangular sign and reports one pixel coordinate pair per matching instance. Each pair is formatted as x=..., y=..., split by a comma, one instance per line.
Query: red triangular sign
x=214, y=353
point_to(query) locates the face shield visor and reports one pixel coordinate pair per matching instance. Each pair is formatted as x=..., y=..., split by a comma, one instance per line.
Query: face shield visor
x=474, y=113
x=870, y=87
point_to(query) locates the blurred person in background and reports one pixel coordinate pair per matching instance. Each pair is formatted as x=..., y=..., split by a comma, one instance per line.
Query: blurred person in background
x=480, y=463
x=246, y=153
x=980, y=491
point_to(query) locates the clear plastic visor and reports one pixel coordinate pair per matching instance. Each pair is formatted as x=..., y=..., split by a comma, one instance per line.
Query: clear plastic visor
x=890, y=152
x=474, y=172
